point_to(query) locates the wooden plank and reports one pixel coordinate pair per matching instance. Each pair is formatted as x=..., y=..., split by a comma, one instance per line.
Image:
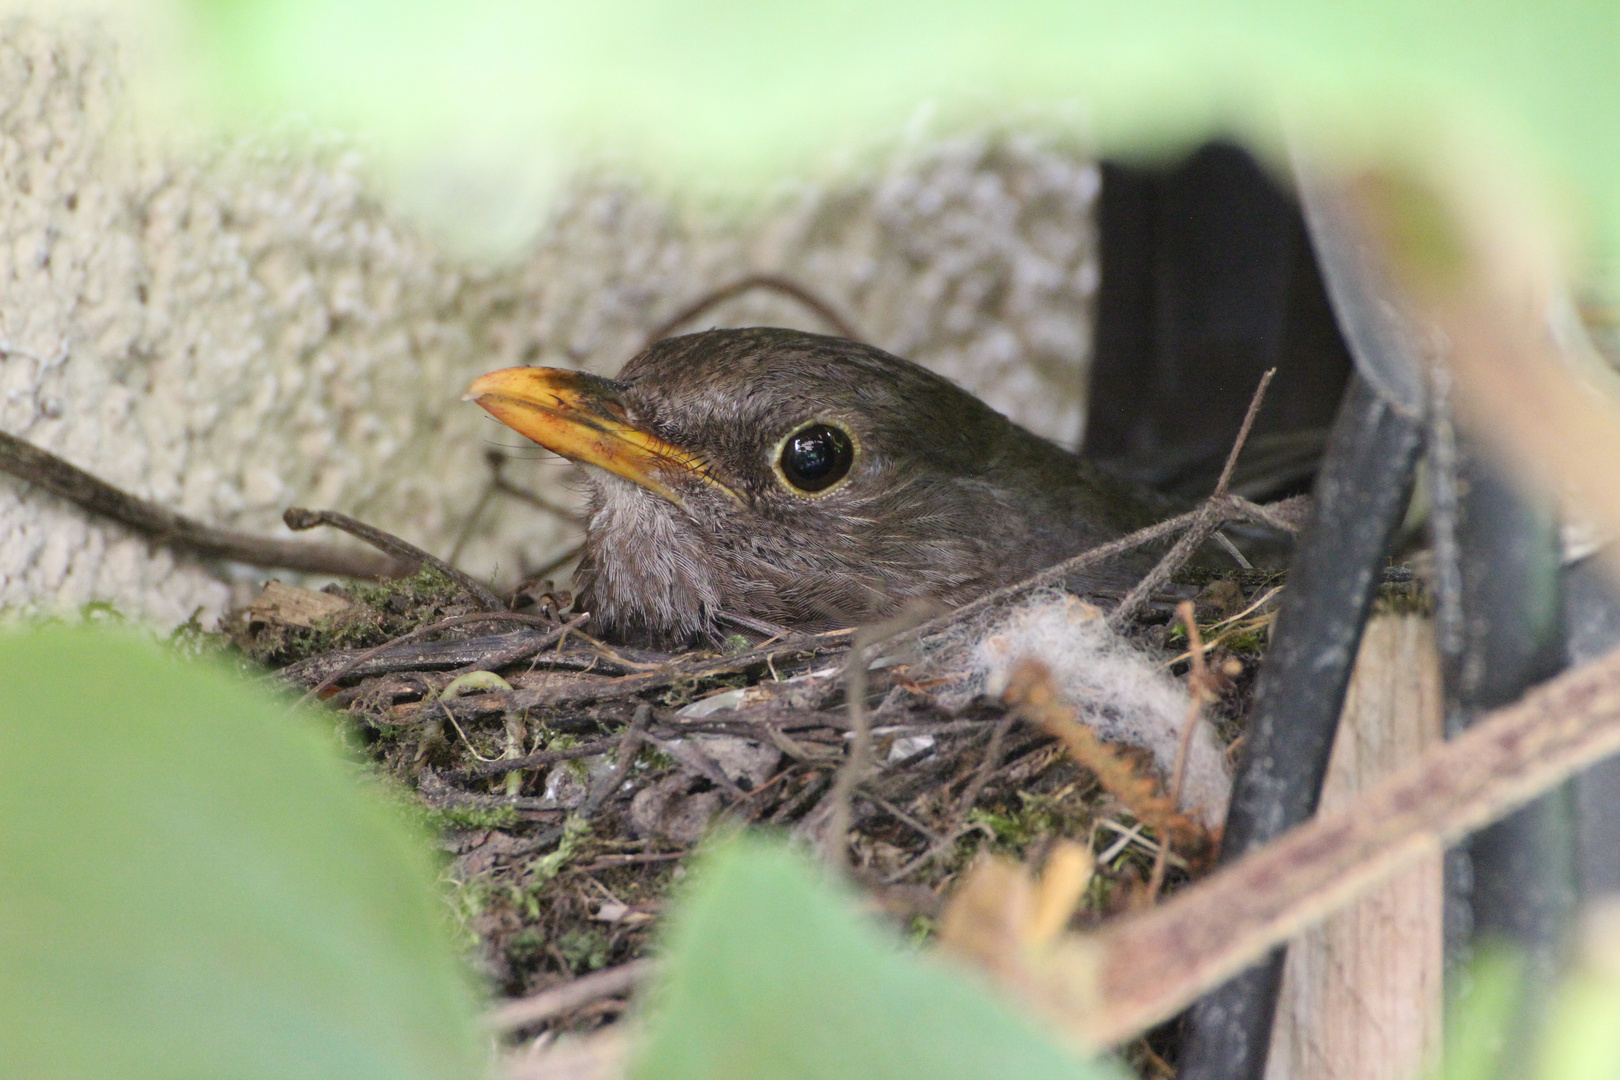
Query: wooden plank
x=1361, y=996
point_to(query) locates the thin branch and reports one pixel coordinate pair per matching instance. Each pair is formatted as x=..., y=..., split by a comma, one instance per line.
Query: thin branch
x=538, y=759
x=496, y=460
x=987, y=768
x=1217, y=510
x=556, y=562
x=1150, y=965
x=629, y=745
x=1053, y=574
x=771, y=631
x=835, y=848
x=1232, y=549
x=1285, y=515
x=1208, y=519
x=298, y=519
x=1031, y=691
x=470, y=521
x=526, y=1012
x=696, y=761
x=161, y=525
x=904, y=818
x=1198, y=685
x=943, y=841
x=1243, y=432
x=771, y=282
x=422, y=632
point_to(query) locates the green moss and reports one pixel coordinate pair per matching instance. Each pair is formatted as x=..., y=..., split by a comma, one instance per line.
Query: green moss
x=191, y=641
x=1038, y=817
x=380, y=611
x=575, y=830
x=101, y=611
x=677, y=695
x=690, y=690
x=1099, y=893
x=526, y=944
x=653, y=758
x=470, y=817
x=586, y=948
x=426, y=587
x=1248, y=642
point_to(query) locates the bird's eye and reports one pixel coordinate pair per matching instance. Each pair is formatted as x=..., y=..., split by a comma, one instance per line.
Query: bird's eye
x=816, y=457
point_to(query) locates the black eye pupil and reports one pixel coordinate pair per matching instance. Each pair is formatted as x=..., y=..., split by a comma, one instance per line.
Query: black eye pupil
x=817, y=457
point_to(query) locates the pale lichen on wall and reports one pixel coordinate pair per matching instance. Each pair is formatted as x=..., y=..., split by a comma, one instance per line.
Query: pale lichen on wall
x=234, y=331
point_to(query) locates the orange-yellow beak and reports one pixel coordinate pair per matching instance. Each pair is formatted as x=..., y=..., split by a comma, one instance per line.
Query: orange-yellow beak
x=583, y=418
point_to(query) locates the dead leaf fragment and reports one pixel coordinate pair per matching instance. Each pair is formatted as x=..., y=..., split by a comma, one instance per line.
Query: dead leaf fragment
x=290, y=605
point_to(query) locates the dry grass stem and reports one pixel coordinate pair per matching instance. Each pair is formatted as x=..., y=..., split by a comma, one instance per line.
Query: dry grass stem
x=1201, y=688
x=1030, y=690
x=1143, y=968
x=528, y=1011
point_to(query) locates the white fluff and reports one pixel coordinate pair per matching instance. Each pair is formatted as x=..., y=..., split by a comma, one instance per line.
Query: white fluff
x=1121, y=692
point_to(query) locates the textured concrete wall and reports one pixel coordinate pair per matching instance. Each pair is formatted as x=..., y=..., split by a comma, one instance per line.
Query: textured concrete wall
x=236, y=332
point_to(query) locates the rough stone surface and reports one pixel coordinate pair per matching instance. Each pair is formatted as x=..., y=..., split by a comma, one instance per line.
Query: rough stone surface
x=235, y=332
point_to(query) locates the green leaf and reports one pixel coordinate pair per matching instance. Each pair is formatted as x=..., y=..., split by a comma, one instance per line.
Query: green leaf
x=771, y=974
x=1479, y=1025
x=734, y=95
x=194, y=884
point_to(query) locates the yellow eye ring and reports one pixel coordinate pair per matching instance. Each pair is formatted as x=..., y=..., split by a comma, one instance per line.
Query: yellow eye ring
x=815, y=457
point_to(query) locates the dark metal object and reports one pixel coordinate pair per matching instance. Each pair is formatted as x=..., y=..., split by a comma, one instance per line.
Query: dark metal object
x=1361, y=495
x=1511, y=625
x=1592, y=628
x=1521, y=878
x=1208, y=279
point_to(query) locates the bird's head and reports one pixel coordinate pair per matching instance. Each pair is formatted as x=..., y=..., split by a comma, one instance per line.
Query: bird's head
x=784, y=477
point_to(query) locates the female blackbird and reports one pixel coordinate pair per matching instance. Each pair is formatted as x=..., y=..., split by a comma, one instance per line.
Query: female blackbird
x=769, y=475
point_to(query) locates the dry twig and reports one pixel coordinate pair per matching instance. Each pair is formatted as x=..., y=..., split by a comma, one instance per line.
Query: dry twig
x=28, y=462
x=538, y=759
x=298, y=519
x=836, y=839
x=576, y=993
x=1143, y=968
x=773, y=282
x=1216, y=511
x=1198, y=685
x=443, y=624
x=629, y=745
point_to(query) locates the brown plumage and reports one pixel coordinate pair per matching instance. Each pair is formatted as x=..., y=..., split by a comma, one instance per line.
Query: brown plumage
x=706, y=446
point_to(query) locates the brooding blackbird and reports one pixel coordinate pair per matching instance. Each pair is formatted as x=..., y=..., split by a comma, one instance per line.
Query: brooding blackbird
x=769, y=475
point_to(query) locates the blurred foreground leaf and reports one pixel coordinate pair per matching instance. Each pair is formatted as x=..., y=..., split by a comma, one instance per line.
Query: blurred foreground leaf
x=475, y=98
x=1478, y=1026
x=191, y=885
x=1582, y=1037
x=772, y=974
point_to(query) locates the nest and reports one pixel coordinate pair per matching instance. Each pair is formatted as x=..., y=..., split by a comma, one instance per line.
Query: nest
x=569, y=780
